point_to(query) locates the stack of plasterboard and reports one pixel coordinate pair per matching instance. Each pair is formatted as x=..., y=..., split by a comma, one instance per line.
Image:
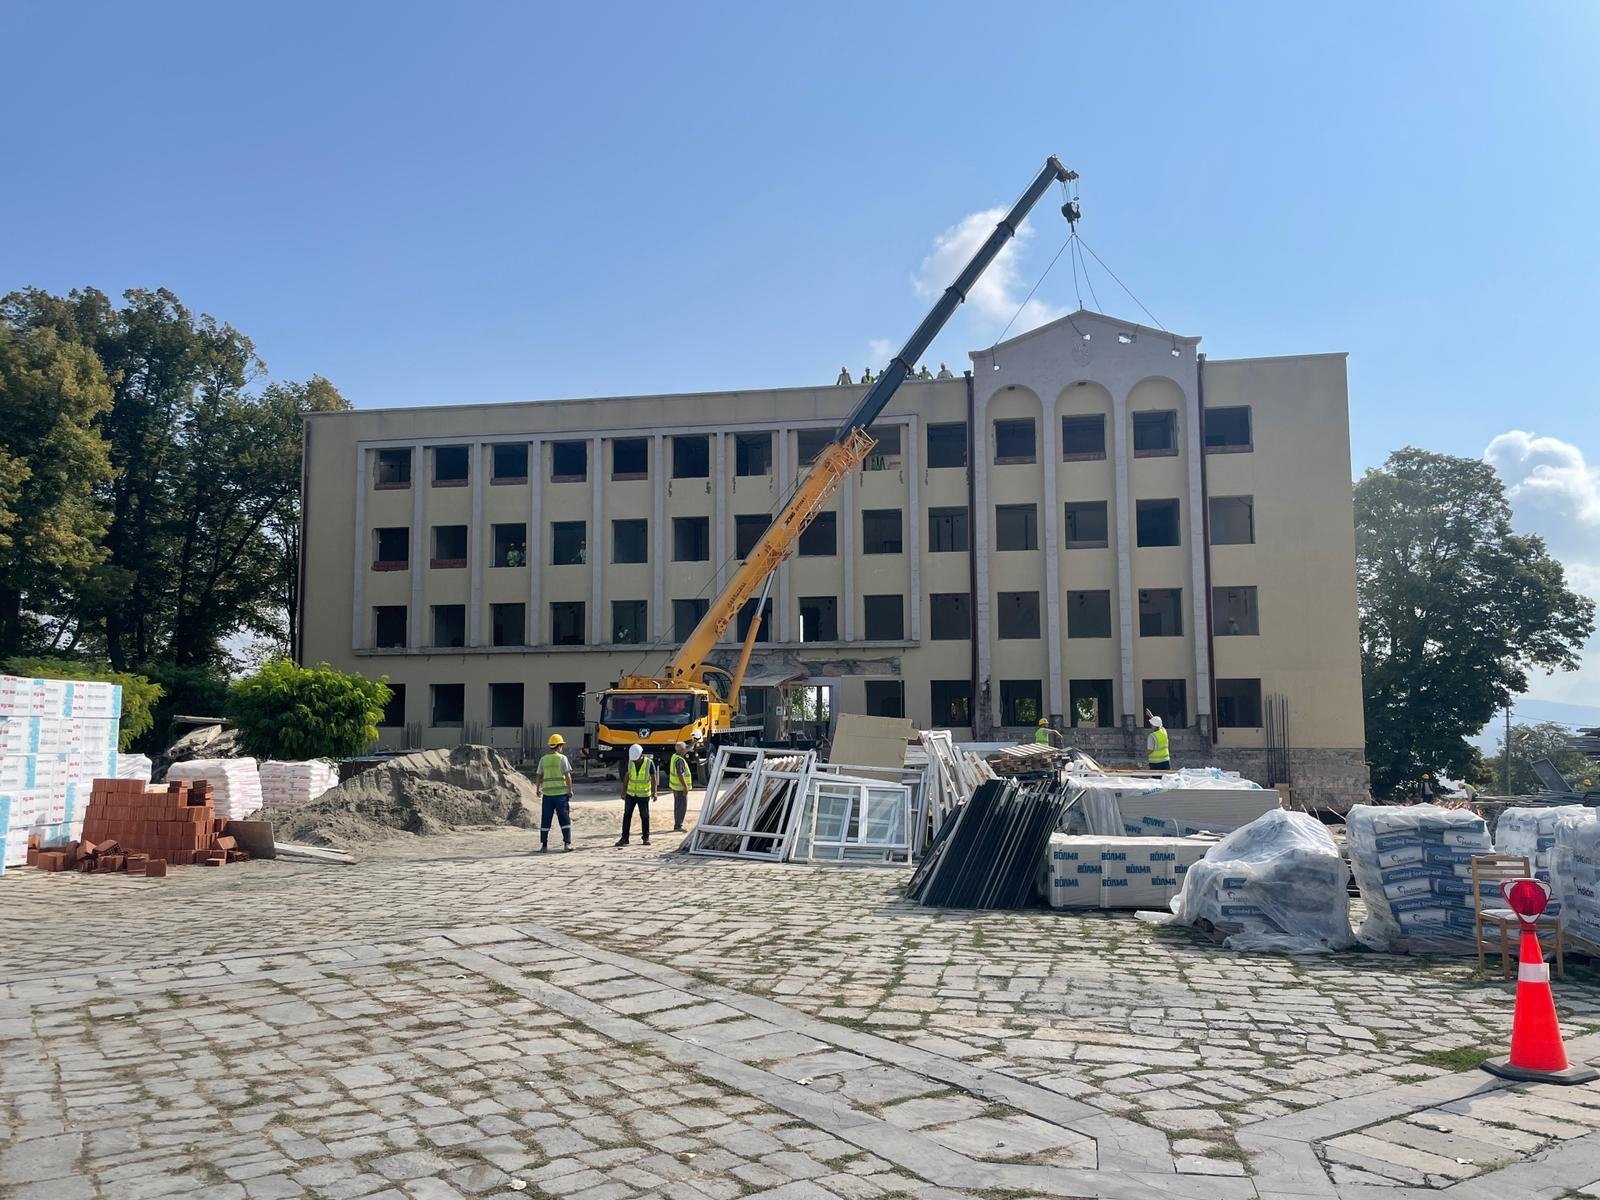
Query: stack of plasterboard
x=286, y=784
x=1173, y=805
x=1119, y=872
x=235, y=783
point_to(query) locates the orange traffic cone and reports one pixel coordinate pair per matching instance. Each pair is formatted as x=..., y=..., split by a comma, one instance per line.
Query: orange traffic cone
x=1537, y=1055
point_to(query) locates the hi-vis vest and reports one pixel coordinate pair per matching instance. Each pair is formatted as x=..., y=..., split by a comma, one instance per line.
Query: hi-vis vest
x=639, y=778
x=1158, y=752
x=553, y=769
x=1042, y=734
x=678, y=773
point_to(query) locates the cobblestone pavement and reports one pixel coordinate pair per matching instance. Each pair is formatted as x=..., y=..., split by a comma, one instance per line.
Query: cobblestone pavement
x=457, y=1017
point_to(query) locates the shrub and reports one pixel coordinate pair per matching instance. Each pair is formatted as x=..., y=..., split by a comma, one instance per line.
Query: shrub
x=139, y=695
x=289, y=712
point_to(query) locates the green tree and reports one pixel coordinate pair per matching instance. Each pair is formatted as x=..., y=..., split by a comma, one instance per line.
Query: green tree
x=139, y=695
x=1456, y=609
x=289, y=712
x=1529, y=743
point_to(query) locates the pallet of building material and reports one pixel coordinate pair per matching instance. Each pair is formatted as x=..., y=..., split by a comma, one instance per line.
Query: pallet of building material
x=1575, y=870
x=1413, y=865
x=1026, y=758
x=140, y=830
x=990, y=854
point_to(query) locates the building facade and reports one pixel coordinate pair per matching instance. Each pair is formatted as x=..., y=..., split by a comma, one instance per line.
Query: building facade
x=1093, y=521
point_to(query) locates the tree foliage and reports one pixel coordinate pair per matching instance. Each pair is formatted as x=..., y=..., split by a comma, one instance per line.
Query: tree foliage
x=289, y=712
x=1529, y=743
x=1456, y=609
x=139, y=695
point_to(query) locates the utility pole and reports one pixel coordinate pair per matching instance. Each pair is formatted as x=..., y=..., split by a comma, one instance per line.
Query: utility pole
x=1505, y=778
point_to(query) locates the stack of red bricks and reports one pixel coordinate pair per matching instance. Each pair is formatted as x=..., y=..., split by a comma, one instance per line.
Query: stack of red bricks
x=130, y=826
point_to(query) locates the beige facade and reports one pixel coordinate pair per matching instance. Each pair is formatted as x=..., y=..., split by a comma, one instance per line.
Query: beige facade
x=1057, y=532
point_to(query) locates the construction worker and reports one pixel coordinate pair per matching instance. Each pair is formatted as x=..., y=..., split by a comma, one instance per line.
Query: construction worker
x=866, y=375
x=924, y=373
x=1156, y=744
x=554, y=785
x=1044, y=735
x=679, y=781
x=944, y=372
x=844, y=377
x=638, y=790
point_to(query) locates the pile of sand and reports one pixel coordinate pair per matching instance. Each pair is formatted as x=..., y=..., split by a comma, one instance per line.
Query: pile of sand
x=432, y=791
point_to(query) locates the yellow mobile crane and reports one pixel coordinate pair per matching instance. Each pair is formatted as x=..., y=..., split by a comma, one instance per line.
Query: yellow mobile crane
x=695, y=702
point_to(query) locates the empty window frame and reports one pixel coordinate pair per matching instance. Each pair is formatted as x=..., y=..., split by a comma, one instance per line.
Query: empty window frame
x=569, y=543
x=509, y=462
x=752, y=454
x=747, y=531
x=691, y=539
x=949, y=616
x=886, y=698
x=1234, y=612
x=1017, y=615
x=885, y=618
x=820, y=539
x=567, y=625
x=508, y=624
x=628, y=622
x=566, y=704
x=1227, y=429
x=1238, y=704
x=1087, y=525
x=505, y=705
x=819, y=618
x=747, y=614
x=630, y=458
x=947, y=444
x=449, y=546
x=1090, y=703
x=1156, y=523
x=1233, y=520
x=1015, y=440
x=1155, y=433
x=391, y=548
x=1016, y=527
x=1089, y=614
x=449, y=625
x=880, y=531
x=1083, y=438
x=391, y=468
x=691, y=456
x=448, y=704
x=1160, y=612
x=686, y=614
x=569, y=462
x=394, y=712
x=630, y=540
x=1021, y=701
x=887, y=438
x=809, y=443
x=950, y=702
x=947, y=531
x=510, y=544
x=1169, y=700
x=389, y=626
x=450, y=465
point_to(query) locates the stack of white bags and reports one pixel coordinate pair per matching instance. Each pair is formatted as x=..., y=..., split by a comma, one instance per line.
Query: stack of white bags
x=1414, y=868
x=235, y=783
x=1575, y=869
x=285, y=784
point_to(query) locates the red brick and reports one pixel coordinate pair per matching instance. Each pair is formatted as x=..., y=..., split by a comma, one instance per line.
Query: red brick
x=155, y=868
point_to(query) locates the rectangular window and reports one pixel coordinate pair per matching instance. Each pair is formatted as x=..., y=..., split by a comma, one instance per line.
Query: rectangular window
x=1169, y=700
x=1083, y=437
x=569, y=543
x=747, y=531
x=566, y=704
x=1233, y=520
x=628, y=622
x=1234, y=612
x=569, y=462
x=819, y=619
x=1016, y=527
x=747, y=614
x=686, y=614
x=1021, y=701
x=949, y=616
x=630, y=540
x=391, y=548
x=1089, y=614
x=951, y=701
x=505, y=705
x=947, y=444
x=510, y=463
x=691, y=539
x=752, y=454
x=508, y=624
x=389, y=626
x=510, y=544
x=450, y=466
x=394, y=712
x=1017, y=615
x=1156, y=522
x=1087, y=526
x=887, y=438
x=880, y=531
x=567, y=626
x=886, y=698
x=1227, y=428
x=630, y=458
x=691, y=456
x=885, y=618
x=1238, y=704
x=449, y=704
x=820, y=539
x=1014, y=441
x=1155, y=433
x=449, y=625
x=947, y=530
x=1091, y=703
x=810, y=442
x=1160, y=612
x=449, y=546
x=392, y=468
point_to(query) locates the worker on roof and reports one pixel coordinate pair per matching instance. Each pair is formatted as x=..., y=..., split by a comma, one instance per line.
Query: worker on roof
x=678, y=782
x=866, y=375
x=638, y=790
x=1044, y=735
x=1156, y=744
x=844, y=379
x=944, y=372
x=554, y=785
x=924, y=373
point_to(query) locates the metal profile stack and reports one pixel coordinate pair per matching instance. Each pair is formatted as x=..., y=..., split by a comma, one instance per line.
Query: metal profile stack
x=988, y=856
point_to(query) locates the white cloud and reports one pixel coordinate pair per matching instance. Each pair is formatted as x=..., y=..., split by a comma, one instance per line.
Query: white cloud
x=879, y=352
x=999, y=291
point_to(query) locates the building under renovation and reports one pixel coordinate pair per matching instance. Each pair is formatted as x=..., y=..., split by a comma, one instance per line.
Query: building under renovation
x=1091, y=521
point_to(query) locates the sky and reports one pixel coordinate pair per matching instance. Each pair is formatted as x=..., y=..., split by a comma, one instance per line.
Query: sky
x=483, y=202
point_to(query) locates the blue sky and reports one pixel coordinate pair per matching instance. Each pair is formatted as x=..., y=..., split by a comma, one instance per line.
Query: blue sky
x=485, y=202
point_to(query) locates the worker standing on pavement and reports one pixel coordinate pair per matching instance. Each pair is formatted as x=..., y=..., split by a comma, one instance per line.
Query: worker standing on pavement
x=638, y=790
x=1156, y=744
x=1046, y=736
x=554, y=785
x=678, y=781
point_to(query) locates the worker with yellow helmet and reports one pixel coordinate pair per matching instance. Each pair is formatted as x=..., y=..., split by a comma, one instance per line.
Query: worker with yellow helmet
x=554, y=785
x=1044, y=735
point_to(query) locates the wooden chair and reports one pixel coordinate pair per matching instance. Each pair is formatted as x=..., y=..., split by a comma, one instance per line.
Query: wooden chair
x=1497, y=869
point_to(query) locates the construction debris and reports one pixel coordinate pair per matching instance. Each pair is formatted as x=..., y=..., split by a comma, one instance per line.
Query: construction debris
x=989, y=855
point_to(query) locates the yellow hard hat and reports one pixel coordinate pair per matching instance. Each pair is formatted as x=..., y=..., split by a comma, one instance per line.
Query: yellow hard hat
x=557, y=740
x=1044, y=721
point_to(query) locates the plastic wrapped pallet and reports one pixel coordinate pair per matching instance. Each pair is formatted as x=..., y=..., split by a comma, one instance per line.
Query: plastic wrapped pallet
x=1131, y=872
x=1532, y=832
x=235, y=783
x=1279, y=883
x=1414, y=868
x=1575, y=870
x=134, y=766
x=285, y=784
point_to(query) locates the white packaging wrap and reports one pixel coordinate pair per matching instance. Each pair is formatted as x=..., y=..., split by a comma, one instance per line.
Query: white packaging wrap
x=285, y=784
x=235, y=783
x=1575, y=870
x=1414, y=868
x=134, y=766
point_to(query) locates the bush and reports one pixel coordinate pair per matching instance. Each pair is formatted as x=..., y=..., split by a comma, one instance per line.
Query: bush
x=139, y=695
x=289, y=712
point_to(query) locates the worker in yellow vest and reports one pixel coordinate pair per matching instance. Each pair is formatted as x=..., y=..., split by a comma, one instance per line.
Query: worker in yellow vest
x=638, y=790
x=554, y=785
x=1046, y=736
x=679, y=781
x=1156, y=744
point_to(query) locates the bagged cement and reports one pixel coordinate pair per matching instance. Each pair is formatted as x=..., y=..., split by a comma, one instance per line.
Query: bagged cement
x=1575, y=870
x=1414, y=868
